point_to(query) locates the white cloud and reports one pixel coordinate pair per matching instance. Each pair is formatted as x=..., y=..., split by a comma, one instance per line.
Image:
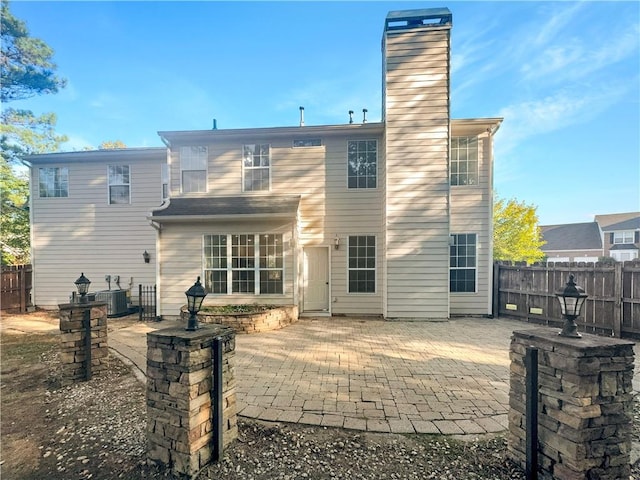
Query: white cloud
x=536, y=117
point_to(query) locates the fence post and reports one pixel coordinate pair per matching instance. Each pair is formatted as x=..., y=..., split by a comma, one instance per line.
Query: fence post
x=22, y=280
x=531, y=417
x=495, y=309
x=216, y=399
x=140, y=307
x=617, y=306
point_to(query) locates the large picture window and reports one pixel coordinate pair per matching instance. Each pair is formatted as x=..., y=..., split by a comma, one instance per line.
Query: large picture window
x=256, y=163
x=53, y=182
x=462, y=263
x=464, y=161
x=362, y=264
x=362, y=163
x=193, y=169
x=119, y=184
x=244, y=263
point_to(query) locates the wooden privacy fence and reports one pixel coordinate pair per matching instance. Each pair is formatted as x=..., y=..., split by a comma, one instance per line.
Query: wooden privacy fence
x=16, y=287
x=528, y=293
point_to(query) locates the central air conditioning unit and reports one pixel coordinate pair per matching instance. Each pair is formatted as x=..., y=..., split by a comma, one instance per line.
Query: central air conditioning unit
x=116, y=301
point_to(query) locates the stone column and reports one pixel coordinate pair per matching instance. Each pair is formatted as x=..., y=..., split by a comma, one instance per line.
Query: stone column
x=179, y=403
x=585, y=404
x=73, y=340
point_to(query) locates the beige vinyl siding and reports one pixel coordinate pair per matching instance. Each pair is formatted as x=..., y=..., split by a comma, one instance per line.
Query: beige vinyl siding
x=471, y=212
x=84, y=233
x=416, y=93
x=327, y=207
x=181, y=262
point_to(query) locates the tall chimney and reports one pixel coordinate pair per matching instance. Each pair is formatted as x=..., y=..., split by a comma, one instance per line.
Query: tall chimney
x=350, y=117
x=215, y=124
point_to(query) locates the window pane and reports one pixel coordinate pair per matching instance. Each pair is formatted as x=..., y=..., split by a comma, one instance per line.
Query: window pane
x=119, y=194
x=53, y=182
x=270, y=281
x=243, y=281
x=215, y=281
x=194, y=181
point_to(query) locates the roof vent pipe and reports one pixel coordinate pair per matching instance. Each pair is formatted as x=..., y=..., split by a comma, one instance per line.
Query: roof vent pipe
x=350, y=117
x=364, y=115
x=215, y=124
x=302, y=116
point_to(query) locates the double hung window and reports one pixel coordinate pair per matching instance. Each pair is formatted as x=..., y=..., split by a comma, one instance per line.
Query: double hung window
x=464, y=161
x=193, y=169
x=256, y=164
x=119, y=184
x=362, y=163
x=462, y=263
x=362, y=264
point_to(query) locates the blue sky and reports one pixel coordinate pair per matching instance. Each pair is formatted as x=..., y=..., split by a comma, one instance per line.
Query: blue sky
x=564, y=75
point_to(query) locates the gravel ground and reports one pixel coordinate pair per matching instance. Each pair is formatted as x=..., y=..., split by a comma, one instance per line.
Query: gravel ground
x=97, y=430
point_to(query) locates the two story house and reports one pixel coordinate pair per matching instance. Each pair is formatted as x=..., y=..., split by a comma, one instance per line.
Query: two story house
x=390, y=218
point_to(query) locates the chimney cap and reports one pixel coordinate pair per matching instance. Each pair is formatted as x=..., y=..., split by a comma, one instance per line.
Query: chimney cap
x=426, y=17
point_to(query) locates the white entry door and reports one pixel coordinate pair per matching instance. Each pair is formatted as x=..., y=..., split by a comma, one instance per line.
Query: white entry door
x=316, y=279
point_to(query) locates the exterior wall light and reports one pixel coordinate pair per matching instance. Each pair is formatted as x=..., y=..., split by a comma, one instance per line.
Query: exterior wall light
x=82, y=284
x=336, y=242
x=571, y=299
x=195, y=296
x=146, y=256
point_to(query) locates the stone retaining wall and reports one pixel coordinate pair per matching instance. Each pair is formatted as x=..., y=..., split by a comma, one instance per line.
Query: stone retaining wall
x=73, y=340
x=272, y=319
x=179, y=403
x=585, y=404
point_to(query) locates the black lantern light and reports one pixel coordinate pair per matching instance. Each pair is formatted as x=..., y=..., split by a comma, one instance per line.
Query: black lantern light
x=195, y=296
x=571, y=299
x=82, y=284
x=146, y=256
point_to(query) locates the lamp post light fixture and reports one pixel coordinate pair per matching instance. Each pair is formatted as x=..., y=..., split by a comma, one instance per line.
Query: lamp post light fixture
x=146, y=256
x=195, y=296
x=571, y=299
x=336, y=242
x=82, y=284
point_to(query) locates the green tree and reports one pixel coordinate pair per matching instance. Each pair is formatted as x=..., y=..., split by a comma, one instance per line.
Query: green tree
x=14, y=215
x=26, y=70
x=516, y=235
x=111, y=144
x=25, y=65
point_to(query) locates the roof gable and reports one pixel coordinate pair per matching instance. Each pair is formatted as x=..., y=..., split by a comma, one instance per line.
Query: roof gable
x=571, y=236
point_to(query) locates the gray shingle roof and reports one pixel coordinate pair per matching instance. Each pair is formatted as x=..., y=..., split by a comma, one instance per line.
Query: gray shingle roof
x=218, y=206
x=631, y=224
x=571, y=236
x=610, y=220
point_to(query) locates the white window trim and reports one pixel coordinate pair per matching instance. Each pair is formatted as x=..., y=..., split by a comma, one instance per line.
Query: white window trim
x=366, y=189
x=206, y=169
x=617, y=254
x=245, y=168
x=109, y=184
x=375, y=269
x=164, y=180
x=54, y=168
x=475, y=268
x=256, y=269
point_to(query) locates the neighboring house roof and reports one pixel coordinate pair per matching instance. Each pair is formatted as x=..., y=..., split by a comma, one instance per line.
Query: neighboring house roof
x=263, y=205
x=571, y=236
x=96, y=155
x=631, y=224
x=612, y=221
x=624, y=246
